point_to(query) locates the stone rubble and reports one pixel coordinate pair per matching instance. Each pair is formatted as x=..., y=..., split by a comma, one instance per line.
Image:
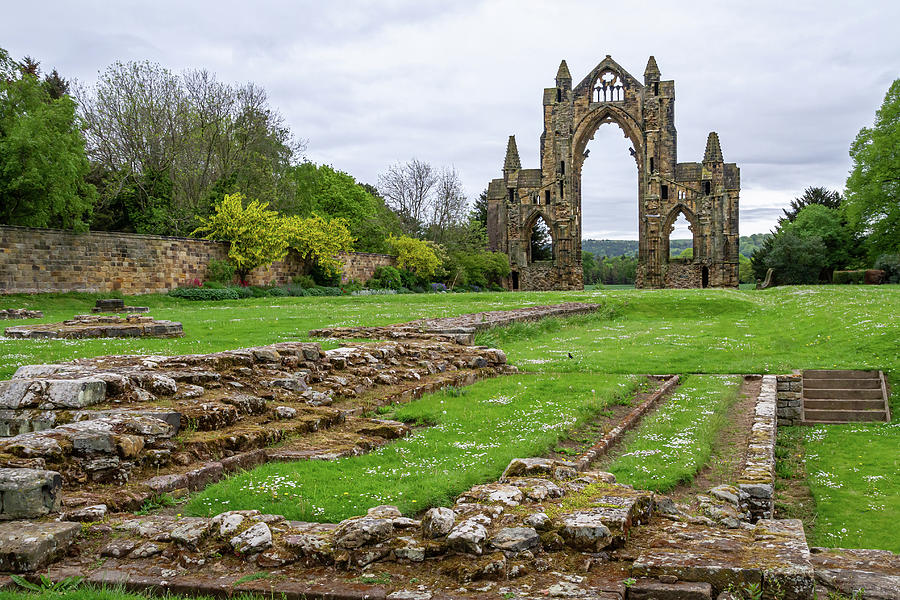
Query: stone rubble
x=20, y=313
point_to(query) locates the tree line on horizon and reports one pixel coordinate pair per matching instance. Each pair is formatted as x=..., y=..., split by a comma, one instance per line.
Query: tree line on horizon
x=146, y=150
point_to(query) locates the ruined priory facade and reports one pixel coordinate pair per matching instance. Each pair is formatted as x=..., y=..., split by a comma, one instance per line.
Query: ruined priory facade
x=706, y=193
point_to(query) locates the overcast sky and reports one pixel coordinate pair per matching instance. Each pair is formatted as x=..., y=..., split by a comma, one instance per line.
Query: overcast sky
x=787, y=85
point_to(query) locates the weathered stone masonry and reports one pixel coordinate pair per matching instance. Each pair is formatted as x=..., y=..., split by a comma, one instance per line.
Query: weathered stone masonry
x=706, y=192
x=49, y=260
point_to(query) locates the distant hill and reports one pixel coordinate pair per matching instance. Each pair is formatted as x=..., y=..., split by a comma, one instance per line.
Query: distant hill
x=630, y=247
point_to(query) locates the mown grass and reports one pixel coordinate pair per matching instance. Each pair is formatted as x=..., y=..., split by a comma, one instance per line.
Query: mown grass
x=87, y=592
x=473, y=433
x=854, y=474
x=675, y=441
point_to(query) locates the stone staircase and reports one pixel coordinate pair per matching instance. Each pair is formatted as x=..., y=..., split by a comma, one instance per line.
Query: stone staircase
x=844, y=396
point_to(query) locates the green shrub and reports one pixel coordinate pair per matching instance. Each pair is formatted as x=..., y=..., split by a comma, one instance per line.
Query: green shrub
x=220, y=271
x=294, y=289
x=258, y=291
x=304, y=281
x=386, y=278
x=890, y=264
x=242, y=292
x=214, y=285
x=323, y=277
x=207, y=294
x=844, y=277
x=276, y=292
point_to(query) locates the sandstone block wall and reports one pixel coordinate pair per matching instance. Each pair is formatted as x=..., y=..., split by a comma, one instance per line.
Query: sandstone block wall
x=50, y=260
x=360, y=266
x=790, y=399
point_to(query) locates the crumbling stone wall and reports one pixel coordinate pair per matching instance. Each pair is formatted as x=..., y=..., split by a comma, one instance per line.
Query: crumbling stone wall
x=49, y=260
x=706, y=192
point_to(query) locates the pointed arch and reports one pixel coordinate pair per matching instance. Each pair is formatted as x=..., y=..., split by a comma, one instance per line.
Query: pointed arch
x=669, y=226
x=538, y=247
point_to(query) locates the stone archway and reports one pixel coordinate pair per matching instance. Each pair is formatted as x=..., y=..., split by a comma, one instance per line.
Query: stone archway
x=708, y=190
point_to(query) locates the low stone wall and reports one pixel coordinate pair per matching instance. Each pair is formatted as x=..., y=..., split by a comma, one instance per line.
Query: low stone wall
x=50, y=260
x=757, y=480
x=790, y=399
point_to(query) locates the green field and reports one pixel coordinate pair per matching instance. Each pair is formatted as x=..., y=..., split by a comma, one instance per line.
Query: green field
x=638, y=331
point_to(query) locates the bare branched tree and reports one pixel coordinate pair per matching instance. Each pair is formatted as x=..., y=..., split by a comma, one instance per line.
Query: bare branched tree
x=145, y=123
x=407, y=190
x=448, y=208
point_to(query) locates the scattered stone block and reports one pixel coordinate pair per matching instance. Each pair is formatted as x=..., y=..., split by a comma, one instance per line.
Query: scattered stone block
x=845, y=571
x=256, y=538
x=652, y=589
x=438, y=522
x=28, y=493
x=27, y=546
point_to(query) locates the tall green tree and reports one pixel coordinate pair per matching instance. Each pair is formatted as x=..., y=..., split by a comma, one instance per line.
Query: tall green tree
x=208, y=139
x=324, y=190
x=811, y=195
x=42, y=154
x=873, y=187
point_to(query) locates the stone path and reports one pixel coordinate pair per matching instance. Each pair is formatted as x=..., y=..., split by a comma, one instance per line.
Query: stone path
x=461, y=329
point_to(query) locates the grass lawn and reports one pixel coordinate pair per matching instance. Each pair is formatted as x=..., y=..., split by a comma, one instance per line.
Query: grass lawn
x=675, y=441
x=854, y=475
x=474, y=432
x=94, y=593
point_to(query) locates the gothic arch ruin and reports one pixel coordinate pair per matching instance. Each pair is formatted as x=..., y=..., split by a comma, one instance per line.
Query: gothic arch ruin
x=705, y=192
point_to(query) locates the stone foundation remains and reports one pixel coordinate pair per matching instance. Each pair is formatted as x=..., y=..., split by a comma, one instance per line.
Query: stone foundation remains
x=99, y=326
x=20, y=313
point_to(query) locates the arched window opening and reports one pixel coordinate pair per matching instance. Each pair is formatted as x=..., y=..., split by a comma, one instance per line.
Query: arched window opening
x=609, y=87
x=609, y=186
x=681, y=240
x=541, y=247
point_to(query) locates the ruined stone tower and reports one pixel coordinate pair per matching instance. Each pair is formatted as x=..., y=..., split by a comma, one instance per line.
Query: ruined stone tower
x=706, y=192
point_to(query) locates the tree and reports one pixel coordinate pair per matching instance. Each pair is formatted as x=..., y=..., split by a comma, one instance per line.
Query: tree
x=816, y=220
x=255, y=234
x=448, y=206
x=42, y=156
x=319, y=240
x=209, y=139
x=796, y=259
x=407, y=189
x=811, y=195
x=326, y=191
x=873, y=187
x=415, y=255
x=479, y=209
x=541, y=241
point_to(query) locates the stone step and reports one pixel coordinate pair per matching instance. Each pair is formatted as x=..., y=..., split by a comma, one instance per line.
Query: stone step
x=772, y=555
x=846, y=383
x=843, y=416
x=839, y=374
x=842, y=404
x=843, y=394
x=28, y=546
